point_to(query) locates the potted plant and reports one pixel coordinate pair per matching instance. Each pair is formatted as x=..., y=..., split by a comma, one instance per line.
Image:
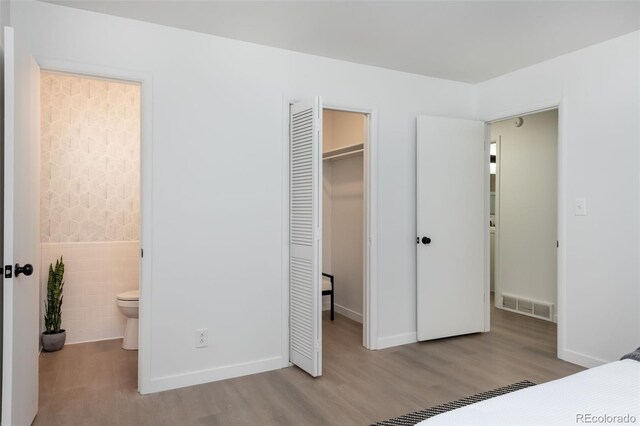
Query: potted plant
x=53, y=338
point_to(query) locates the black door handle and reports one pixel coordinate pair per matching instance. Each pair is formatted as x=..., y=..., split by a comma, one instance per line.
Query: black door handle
x=26, y=269
x=426, y=240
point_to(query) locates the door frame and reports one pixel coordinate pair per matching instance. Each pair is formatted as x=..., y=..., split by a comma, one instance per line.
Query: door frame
x=146, y=191
x=370, y=285
x=559, y=105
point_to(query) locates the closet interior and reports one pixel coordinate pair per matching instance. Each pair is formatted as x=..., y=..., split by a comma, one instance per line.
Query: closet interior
x=344, y=138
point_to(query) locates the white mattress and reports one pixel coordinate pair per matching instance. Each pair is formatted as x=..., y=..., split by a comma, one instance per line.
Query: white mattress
x=609, y=390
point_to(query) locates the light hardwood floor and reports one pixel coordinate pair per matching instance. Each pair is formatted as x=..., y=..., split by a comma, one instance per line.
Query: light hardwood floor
x=95, y=383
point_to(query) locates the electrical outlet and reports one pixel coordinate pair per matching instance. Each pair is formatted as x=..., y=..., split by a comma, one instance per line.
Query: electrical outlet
x=202, y=337
x=581, y=207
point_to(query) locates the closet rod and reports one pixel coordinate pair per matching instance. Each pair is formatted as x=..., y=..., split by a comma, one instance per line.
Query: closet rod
x=344, y=154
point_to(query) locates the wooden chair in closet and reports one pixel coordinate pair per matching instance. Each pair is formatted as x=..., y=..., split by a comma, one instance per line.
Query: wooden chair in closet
x=327, y=288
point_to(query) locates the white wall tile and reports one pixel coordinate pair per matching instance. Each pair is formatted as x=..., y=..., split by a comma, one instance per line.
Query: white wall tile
x=95, y=273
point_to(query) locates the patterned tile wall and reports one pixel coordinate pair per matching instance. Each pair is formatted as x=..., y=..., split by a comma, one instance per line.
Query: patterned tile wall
x=90, y=159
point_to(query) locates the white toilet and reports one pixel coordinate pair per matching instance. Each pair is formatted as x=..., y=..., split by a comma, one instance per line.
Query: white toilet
x=128, y=303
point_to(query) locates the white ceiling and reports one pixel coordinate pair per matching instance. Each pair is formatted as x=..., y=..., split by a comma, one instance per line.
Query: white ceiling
x=469, y=41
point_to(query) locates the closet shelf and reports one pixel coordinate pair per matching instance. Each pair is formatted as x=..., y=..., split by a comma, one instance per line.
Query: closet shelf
x=343, y=152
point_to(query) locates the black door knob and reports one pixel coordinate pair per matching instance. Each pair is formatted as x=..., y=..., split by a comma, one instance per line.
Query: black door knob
x=426, y=240
x=26, y=269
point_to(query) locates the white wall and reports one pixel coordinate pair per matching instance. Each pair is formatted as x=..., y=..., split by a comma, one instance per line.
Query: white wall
x=217, y=201
x=527, y=204
x=598, y=88
x=347, y=226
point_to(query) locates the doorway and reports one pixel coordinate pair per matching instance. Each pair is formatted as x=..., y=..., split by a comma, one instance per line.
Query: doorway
x=22, y=172
x=304, y=267
x=90, y=219
x=453, y=234
x=343, y=225
x=524, y=214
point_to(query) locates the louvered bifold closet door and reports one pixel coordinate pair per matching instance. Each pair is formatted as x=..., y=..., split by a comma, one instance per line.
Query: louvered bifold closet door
x=305, y=231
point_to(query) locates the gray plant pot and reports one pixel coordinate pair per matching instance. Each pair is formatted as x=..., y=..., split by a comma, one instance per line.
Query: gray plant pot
x=53, y=342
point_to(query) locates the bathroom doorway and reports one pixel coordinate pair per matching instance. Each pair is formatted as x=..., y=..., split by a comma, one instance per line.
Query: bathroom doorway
x=90, y=217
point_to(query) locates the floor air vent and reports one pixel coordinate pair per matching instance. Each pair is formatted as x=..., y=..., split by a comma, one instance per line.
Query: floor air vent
x=509, y=302
x=528, y=307
x=542, y=310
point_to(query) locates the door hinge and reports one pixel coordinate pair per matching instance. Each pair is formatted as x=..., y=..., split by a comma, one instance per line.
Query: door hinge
x=8, y=271
x=557, y=243
x=317, y=346
x=141, y=252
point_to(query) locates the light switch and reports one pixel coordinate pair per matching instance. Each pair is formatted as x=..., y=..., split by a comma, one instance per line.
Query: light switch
x=581, y=207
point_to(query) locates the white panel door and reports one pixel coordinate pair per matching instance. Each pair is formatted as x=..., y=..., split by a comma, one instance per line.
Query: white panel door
x=21, y=234
x=305, y=232
x=453, y=227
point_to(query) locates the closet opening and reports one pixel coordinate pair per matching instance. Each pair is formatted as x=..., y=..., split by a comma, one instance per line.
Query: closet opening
x=344, y=141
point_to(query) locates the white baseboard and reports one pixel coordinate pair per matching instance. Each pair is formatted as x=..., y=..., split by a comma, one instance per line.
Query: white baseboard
x=94, y=340
x=326, y=306
x=164, y=383
x=581, y=359
x=348, y=313
x=397, y=340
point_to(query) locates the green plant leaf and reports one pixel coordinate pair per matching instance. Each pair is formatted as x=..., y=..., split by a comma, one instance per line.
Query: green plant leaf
x=53, y=303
